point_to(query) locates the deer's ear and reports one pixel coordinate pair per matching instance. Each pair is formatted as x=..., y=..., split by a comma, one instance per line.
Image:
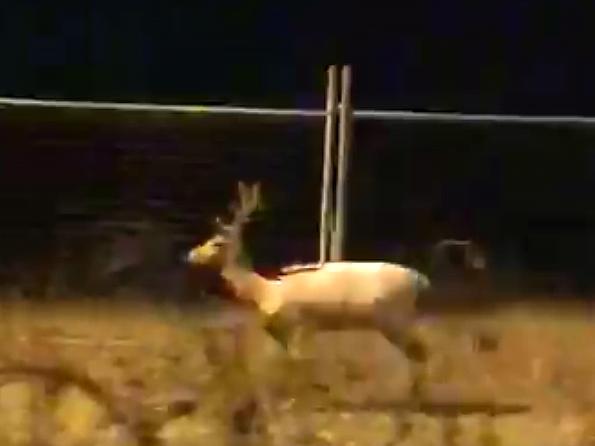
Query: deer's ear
x=242, y=188
x=254, y=196
x=256, y=190
x=219, y=225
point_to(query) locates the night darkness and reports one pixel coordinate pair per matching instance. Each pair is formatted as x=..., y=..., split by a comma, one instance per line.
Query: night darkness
x=527, y=187
x=509, y=57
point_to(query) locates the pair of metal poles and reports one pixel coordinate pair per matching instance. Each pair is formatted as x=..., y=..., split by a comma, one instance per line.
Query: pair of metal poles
x=336, y=139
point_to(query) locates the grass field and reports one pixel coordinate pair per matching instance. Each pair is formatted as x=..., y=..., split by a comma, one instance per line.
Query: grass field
x=125, y=372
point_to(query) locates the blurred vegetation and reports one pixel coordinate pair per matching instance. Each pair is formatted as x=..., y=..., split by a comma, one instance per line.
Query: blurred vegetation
x=188, y=375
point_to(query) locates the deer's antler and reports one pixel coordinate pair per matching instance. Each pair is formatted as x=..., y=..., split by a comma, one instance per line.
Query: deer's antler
x=249, y=201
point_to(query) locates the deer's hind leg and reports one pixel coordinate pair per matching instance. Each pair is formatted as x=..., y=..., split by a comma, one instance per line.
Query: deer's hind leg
x=402, y=333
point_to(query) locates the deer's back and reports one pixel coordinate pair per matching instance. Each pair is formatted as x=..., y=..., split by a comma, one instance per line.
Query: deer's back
x=346, y=282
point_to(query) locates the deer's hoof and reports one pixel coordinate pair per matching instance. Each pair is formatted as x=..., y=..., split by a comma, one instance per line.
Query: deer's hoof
x=416, y=351
x=417, y=391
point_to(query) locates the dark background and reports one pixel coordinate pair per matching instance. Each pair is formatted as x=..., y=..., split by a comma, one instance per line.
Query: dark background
x=507, y=56
x=524, y=191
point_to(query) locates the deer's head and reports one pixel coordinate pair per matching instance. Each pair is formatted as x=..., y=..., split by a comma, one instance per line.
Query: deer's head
x=223, y=248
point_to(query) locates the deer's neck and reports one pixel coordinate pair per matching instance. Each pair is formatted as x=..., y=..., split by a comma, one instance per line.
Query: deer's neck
x=251, y=286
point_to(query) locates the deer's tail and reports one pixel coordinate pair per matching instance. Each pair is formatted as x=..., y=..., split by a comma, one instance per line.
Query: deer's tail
x=422, y=282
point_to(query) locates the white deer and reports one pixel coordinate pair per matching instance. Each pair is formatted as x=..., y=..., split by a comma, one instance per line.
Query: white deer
x=331, y=296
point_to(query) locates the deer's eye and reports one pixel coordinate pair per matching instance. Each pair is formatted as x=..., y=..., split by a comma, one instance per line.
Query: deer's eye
x=218, y=243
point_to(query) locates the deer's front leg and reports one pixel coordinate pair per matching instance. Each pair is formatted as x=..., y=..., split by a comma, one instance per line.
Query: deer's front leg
x=279, y=330
x=289, y=333
x=300, y=376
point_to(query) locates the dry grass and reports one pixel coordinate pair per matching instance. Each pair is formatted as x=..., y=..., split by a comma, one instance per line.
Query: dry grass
x=175, y=374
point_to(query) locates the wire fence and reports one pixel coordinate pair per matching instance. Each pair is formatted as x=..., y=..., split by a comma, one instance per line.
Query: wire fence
x=379, y=142
x=146, y=107
x=74, y=184
x=365, y=114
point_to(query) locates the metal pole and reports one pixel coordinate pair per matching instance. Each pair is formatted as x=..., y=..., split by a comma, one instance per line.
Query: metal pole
x=345, y=119
x=329, y=143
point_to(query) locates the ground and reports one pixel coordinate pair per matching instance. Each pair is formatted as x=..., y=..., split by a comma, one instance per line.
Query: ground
x=121, y=372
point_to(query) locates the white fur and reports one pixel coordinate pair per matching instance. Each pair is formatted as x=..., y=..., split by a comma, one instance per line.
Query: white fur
x=343, y=289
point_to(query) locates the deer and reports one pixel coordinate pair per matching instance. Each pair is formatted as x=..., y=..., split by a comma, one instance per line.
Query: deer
x=335, y=295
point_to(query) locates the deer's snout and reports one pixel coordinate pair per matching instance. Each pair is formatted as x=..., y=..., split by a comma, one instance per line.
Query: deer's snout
x=197, y=256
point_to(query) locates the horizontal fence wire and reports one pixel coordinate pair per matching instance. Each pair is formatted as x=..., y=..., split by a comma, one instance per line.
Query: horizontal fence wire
x=190, y=109
x=472, y=118
x=381, y=115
